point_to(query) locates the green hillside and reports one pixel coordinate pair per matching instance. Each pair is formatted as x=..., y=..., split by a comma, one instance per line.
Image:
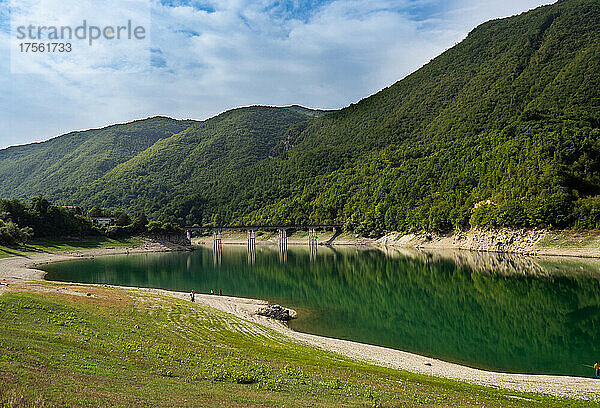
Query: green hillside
x=501, y=130
x=193, y=162
x=59, y=167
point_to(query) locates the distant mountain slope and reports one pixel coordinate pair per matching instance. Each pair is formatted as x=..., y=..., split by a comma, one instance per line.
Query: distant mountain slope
x=194, y=160
x=59, y=167
x=308, y=111
x=539, y=63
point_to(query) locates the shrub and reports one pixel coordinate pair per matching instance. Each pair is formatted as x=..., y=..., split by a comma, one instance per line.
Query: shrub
x=11, y=234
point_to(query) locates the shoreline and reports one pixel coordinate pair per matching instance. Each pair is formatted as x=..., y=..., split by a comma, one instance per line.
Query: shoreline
x=20, y=273
x=565, y=243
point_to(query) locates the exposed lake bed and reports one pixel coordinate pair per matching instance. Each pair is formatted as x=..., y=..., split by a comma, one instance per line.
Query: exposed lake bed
x=498, y=312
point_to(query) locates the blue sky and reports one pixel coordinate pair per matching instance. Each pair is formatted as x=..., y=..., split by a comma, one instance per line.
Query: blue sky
x=210, y=56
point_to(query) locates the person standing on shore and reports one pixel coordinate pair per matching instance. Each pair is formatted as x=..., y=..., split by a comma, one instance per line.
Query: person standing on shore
x=597, y=369
x=193, y=295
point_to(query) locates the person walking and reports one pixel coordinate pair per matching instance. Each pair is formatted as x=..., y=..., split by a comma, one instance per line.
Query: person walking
x=597, y=369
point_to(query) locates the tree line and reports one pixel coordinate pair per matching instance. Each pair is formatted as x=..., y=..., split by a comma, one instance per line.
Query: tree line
x=20, y=222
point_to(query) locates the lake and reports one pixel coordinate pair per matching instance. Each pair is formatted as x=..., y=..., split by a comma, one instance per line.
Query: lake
x=500, y=312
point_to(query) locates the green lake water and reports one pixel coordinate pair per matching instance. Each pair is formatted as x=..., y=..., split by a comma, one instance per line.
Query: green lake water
x=499, y=312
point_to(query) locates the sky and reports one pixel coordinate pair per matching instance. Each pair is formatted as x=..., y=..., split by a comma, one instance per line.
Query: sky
x=202, y=57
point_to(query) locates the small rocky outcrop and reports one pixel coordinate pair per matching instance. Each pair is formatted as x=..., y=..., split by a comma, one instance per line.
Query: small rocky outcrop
x=276, y=312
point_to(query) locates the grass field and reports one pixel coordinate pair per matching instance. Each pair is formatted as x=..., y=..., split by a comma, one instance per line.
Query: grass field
x=60, y=245
x=122, y=348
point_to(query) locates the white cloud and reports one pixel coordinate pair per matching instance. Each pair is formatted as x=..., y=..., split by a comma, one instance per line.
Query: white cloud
x=102, y=37
x=240, y=53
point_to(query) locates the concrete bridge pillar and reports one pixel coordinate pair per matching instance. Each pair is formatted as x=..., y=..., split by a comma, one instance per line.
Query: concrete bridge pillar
x=217, y=238
x=217, y=247
x=251, y=238
x=283, y=237
x=251, y=246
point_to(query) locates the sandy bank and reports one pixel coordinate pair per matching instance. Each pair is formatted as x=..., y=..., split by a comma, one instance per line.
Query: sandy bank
x=20, y=275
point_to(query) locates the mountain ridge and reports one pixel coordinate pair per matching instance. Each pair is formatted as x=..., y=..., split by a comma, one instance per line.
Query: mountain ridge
x=507, y=117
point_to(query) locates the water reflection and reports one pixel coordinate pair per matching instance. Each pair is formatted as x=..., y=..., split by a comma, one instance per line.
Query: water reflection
x=504, y=312
x=312, y=252
x=217, y=253
x=251, y=254
x=283, y=252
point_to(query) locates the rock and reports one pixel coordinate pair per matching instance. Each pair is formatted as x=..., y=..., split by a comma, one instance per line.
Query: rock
x=275, y=312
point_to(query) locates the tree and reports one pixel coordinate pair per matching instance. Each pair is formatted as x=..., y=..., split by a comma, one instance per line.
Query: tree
x=40, y=205
x=95, y=212
x=122, y=219
x=139, y=222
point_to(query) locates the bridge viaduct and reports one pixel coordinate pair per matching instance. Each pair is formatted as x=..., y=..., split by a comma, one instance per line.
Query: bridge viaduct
x=251, y=231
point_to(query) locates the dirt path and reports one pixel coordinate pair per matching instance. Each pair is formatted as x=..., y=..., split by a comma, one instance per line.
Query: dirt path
x=20, y=274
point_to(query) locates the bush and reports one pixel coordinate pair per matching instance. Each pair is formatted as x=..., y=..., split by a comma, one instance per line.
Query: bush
x=117, y=231
x=156, y=227
x=587, y=213
x=11, y=234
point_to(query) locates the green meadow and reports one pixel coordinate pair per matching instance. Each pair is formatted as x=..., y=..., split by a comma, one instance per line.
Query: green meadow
x=119, y=347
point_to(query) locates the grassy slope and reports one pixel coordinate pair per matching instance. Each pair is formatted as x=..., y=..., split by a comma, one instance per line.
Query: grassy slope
x=120, y=348
x=5, y=251
x=571, y=240
x=58, y=245
x=189, y=163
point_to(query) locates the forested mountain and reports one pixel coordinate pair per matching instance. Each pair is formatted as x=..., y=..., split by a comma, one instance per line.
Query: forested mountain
x=60, y=166
x=507, y=121
x=501, y=130
x=192, y=162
